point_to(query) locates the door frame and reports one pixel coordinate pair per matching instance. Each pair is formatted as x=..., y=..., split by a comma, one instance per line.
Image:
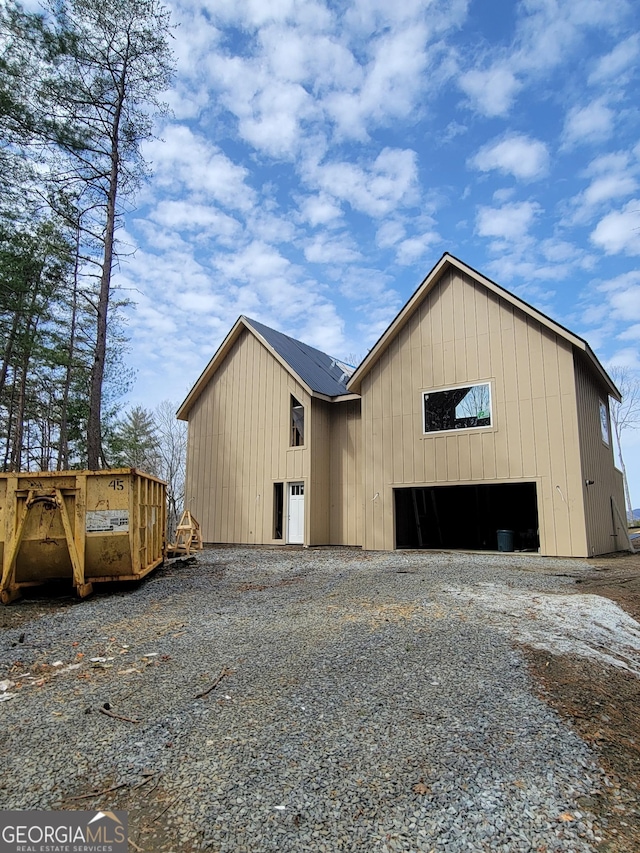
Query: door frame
x=290, y=486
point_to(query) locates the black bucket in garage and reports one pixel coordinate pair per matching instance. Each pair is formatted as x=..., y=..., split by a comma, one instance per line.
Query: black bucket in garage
x=505, y=540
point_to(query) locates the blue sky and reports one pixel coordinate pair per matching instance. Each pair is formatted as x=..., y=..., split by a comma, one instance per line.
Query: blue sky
x=322, y=156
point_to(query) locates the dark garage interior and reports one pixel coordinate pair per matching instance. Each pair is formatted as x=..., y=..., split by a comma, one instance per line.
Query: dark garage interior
x=502, y=516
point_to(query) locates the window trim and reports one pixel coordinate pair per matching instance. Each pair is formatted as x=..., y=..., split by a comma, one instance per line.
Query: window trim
x=604, y=409
x=426, y=392
x=294, y=403
x=278, y=511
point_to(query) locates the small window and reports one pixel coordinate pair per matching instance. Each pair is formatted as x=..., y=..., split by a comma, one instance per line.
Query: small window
x=604, y=422
x=278, y=505
x=457, y=408
x=297, y=423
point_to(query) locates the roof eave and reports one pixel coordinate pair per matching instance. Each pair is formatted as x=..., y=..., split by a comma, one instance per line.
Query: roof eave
x=219, y=356
x=354, y=383
x=449, y=261
x=201, y=382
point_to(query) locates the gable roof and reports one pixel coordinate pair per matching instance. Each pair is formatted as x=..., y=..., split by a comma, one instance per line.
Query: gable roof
x=445, y=263
x=321, y=375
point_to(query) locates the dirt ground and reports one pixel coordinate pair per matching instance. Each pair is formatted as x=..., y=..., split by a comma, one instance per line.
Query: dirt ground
x=603, y=705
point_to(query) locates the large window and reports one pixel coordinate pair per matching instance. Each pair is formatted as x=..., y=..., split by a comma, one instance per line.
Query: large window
x=297, y=423
x=457, y=408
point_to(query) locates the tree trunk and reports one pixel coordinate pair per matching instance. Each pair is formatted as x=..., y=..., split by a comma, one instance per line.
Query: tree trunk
x=18, y=435
x=627, y=494
x=63, y=443
x=94, y=425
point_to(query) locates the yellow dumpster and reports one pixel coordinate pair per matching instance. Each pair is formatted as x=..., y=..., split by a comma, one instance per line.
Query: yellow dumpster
x=87, y=526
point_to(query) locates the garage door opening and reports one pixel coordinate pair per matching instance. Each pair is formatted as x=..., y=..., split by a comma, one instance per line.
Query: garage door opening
x=468, y=517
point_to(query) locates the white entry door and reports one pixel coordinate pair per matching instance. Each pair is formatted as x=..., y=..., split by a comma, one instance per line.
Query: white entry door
x=295, y=526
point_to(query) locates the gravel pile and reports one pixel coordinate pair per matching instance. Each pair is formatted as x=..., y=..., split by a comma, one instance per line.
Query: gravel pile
x=361, y=707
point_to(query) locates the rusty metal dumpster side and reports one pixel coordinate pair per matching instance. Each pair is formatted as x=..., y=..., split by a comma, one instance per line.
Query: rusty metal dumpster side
x=87, y=526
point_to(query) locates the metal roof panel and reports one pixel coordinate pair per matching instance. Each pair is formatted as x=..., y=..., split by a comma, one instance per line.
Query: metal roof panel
x=322, y=373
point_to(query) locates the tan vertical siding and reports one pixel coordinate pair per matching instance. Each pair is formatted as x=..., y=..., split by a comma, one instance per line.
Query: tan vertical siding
x=239, y=446
x=604, y=533
x=346, y=508
x=320, y=474
x=463, y=333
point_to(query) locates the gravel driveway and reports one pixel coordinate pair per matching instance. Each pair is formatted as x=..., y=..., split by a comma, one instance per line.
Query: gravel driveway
x=365, y=701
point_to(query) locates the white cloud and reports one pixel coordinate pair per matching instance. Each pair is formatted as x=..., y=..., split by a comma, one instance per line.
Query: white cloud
x=619, y=231
x=320, y=209
x=632, y=333
x=412, y=249
x=609, y=187
x=254, y=263
x=524, y=158
x=492, y=92
x=253, y=14
x=629, y=357
x=560, y=251
x=331, y=249
x=614, y=64
x=547, y=33
x=189, y=216
x=590, y=124
x=392, y=82
x=321, y=326
x=272, y=120
x=297, y=56
x=508, y=223
x=625, y=304
x=270, y=227
x=390, y=233
x=370, y=16
x=613, y=176
x=184, y=160
x=623, y=295
x=613, y=161
x=390, y=182
x=296, y=73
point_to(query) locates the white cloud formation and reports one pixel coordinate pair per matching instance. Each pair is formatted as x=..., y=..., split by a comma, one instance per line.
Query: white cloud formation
x=331, y=249
x=183, y=160
x=509, y=223
x=620, y=59
x=369, y=16
x=392, y=81
x=188, y=216
x=253, y=14
x=298, y=71
x=493, y=91
x=409, y=251
x=515, y=154
x=390, y=233
x=389, y=182
x=546, y=34
x=254, y=263
x=612, y=176
x=619, y=231
x=559, y=251
x=591, y=124
x=320, y=209
x=609, y=187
